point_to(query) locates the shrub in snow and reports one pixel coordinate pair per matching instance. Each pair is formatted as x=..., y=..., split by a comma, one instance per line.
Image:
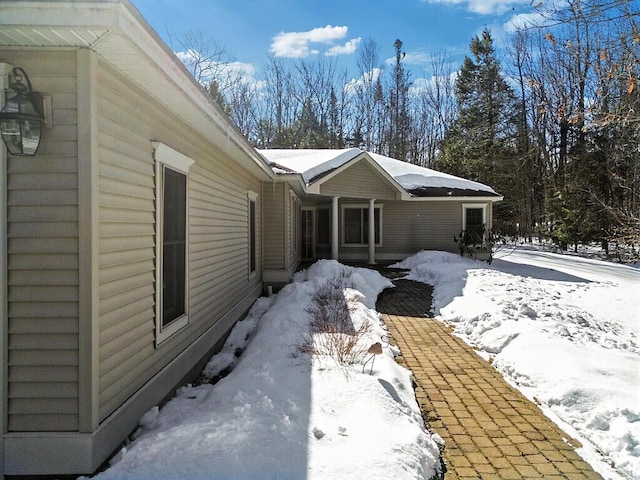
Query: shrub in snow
x=333, y=331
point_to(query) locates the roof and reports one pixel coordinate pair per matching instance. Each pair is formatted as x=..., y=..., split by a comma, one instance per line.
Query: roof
x=418, y=182
x=116, y=32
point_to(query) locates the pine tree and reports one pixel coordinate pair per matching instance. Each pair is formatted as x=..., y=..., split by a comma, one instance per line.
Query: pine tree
x=399, y=128
x=480, y=144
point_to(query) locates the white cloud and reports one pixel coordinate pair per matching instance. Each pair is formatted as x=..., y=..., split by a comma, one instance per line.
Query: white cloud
x=412, y=58
x=296, y=44
x=526, y=20
x=482, y=7
x=225, y=73
x=439, y=82
x=367, y=78
x=346, y=49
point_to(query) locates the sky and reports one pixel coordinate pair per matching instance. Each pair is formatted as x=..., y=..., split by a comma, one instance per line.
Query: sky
x=254, y=30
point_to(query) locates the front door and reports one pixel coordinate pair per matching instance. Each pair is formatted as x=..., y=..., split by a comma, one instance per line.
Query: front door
x=308, y=234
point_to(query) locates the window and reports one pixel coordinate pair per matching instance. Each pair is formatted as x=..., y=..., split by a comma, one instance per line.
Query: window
x=172, y=169
x=253, y=252
x=473, y=222
x=355, y=225
x=174, y=228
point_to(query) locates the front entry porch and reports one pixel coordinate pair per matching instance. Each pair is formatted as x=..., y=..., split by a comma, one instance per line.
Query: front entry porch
x=348, y=229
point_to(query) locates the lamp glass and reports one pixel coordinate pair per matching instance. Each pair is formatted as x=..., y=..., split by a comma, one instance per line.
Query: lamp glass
x=20, y=125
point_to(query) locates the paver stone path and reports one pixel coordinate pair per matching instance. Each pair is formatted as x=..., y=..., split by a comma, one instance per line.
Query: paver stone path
x=491, y=431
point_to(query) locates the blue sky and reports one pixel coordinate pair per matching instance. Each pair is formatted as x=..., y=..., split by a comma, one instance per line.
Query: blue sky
x=253, y=30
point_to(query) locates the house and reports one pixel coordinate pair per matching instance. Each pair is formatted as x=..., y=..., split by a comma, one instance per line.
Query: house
x=359, y=206
x=144, y=226
x=131, y=240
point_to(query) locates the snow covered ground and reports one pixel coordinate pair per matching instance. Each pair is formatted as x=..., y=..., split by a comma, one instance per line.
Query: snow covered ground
x=281, y=414
x=565, y=330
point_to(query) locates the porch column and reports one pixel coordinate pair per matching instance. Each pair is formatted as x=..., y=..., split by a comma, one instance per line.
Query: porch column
x=372, y=232
x=334, y=228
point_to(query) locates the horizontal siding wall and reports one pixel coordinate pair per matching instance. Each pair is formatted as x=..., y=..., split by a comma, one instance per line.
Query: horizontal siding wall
x=409, y=227
x=43, y=258
x=274, y=225
x=218, y=271
x=359, y=181
x=126, y=245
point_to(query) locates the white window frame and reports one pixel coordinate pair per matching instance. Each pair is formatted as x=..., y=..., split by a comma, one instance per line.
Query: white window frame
x=468, y=206
x=166, y=157
x=343, y=207
x=252, y=197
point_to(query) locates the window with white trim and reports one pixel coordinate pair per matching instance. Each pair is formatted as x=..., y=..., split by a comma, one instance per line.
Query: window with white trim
x=355, y=225
x=172, y=169
x=474, y=222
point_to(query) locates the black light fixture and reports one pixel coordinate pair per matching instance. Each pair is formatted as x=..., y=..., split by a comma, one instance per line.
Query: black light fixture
x=22, y=117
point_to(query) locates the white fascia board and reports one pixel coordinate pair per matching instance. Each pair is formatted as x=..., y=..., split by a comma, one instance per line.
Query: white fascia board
x=457, y=199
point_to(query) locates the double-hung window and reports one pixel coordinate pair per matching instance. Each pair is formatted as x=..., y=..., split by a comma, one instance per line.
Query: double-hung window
x=355, y=225
x=172, y=169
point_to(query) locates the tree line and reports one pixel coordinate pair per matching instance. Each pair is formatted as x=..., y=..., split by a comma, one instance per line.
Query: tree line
x=553, y=124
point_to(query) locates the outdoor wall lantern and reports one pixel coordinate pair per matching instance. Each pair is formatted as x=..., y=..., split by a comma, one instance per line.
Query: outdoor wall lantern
x=22, y=116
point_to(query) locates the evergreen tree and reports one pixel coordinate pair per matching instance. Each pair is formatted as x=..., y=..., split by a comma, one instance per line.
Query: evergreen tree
x=481, y=142
x=399, y=128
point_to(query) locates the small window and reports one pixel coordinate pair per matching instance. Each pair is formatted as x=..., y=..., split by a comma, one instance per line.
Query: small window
x=172, y=170
x=355, y=225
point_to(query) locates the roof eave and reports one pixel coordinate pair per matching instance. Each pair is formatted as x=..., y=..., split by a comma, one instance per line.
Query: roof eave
x=487, y=198
x=295, y=180
x=115, y=30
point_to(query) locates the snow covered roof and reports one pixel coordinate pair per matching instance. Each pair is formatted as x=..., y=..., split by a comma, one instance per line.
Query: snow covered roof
x=418, y=181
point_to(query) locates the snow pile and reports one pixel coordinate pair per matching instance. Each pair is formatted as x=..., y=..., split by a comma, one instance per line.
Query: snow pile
x=564, y=330
x=281, y=414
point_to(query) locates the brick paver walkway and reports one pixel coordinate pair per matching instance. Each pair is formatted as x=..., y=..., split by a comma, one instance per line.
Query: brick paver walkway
x=490, y=429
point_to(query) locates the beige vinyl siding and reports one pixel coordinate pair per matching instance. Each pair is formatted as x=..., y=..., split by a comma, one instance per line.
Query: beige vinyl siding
x=409, y=227
x=218, y=276
x=273, y=195
x=42, y=248
x=360, y=180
